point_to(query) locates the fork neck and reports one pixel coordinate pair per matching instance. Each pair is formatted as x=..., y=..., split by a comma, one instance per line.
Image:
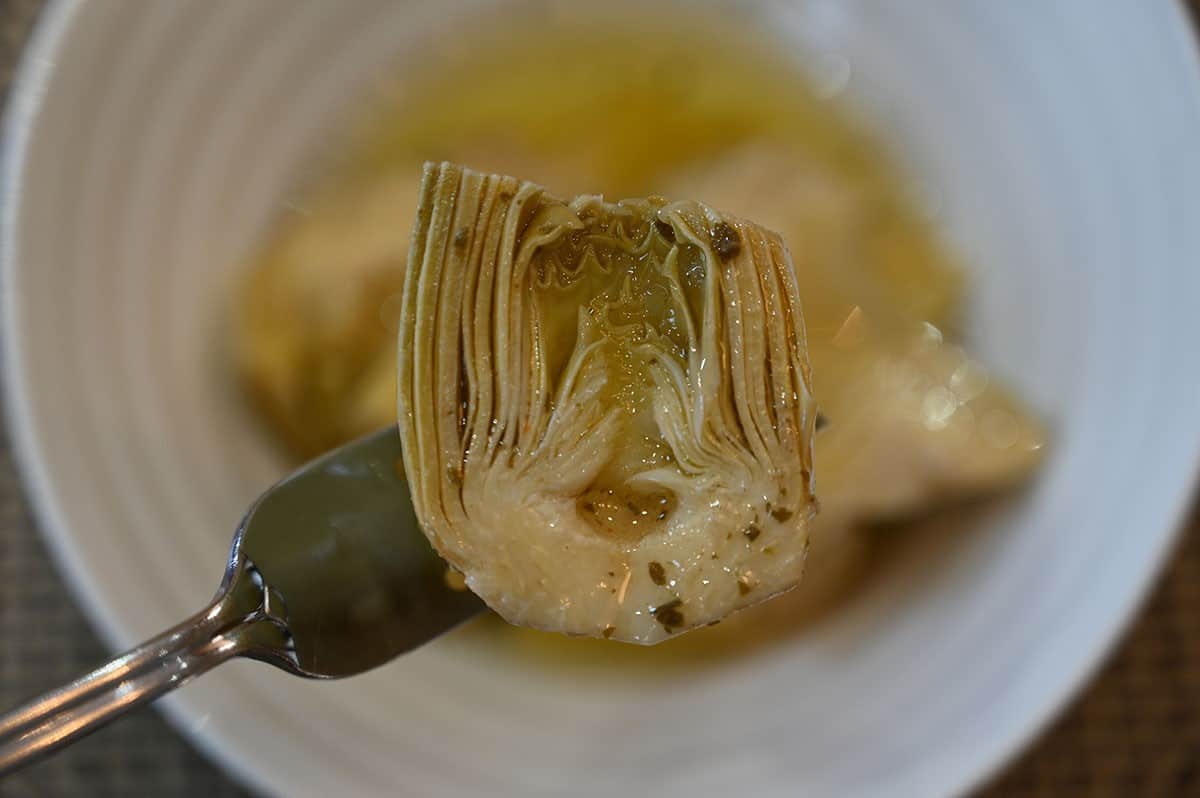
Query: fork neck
x=242, y=620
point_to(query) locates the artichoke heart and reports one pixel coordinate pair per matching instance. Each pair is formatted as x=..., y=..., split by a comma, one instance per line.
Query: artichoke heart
x=606, y=408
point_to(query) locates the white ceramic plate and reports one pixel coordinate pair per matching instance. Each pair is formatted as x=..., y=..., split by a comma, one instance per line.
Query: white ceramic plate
x=148, y=146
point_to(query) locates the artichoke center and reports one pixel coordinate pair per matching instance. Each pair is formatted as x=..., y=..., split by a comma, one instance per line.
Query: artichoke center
x=614, y=292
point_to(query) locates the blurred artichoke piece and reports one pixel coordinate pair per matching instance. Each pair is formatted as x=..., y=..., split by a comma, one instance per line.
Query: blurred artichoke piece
x=316, y=319
x=914, y=420
x=605, y=408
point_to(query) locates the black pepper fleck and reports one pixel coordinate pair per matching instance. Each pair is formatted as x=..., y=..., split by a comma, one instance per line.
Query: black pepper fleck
x=822, y=422
x=781, y=514
x=658, y=574
x=460, y=237
x=725, y=240
x=752, y=532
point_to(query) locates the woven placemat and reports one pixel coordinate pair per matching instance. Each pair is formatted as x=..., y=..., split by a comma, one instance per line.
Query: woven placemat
x=1134, y=732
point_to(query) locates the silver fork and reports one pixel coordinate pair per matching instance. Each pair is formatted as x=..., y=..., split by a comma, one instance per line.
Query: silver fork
x=329, y=576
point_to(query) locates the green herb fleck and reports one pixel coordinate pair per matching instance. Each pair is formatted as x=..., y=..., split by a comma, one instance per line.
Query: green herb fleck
x=669, y=614
x=658, y=574
x=725, y=240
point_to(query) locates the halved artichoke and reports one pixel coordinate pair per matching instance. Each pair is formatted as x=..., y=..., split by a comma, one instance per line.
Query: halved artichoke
x=606, y=409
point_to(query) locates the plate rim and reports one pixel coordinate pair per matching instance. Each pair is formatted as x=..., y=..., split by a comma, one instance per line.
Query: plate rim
x=33, y=71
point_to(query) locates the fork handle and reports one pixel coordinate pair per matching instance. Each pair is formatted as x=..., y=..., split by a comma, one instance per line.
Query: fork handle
x=129, y=680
